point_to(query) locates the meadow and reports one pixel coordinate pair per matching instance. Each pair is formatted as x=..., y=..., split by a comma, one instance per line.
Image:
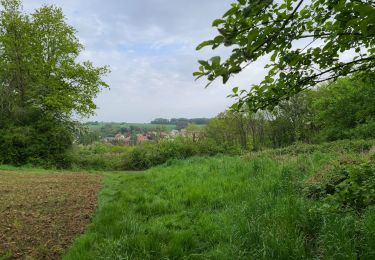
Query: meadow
x=298, y=202
x=276, y=204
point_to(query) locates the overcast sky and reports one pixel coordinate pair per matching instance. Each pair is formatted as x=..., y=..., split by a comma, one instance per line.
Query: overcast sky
x=150, y=48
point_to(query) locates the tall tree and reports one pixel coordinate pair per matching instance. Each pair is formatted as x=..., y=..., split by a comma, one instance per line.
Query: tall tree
x=345, y=108
x=306, y=42
x=42, y=85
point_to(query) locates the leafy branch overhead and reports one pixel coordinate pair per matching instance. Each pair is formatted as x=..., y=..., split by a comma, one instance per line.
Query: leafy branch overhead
x=308, y=42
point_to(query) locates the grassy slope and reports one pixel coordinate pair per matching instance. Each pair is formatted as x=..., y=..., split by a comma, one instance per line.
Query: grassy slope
x=223, y=208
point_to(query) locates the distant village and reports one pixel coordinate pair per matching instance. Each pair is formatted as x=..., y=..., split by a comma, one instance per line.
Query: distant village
x=133, y=134
x=134, y=139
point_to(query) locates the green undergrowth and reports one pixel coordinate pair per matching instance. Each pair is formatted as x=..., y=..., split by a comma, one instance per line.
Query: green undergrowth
x=107, y=157
x=269, y=205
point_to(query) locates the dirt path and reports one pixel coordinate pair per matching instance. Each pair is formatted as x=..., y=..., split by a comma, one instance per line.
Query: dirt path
x=40, y=213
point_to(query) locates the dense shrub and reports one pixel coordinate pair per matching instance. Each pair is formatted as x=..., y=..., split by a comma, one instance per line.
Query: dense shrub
x=340, y=147
x=152, y=154
x=99, y=156
x=349, y=186
x=44, y=143
x=345, y=108
x=363, y=131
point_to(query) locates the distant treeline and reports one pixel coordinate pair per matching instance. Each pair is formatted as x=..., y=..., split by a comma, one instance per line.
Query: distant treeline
x=181, y=122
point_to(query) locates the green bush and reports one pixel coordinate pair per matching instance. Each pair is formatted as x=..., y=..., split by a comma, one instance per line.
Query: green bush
x=99, y=156
x=152, y=154
x=346, y=187
x=43, y=144
x=341, y=147
x=364, y=131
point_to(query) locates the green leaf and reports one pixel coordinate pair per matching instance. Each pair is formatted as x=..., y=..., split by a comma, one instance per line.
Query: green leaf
x=231, y=11
x=203, y=44
x=219, y=39
x=225, y=78
x=216, y=61
x=217, y=22
x=273, y=57
x=253, y=34
x=204, y=63
x=234, y=107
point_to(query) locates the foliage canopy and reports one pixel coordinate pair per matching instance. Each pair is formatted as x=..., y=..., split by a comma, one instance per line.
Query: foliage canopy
x=308, y=42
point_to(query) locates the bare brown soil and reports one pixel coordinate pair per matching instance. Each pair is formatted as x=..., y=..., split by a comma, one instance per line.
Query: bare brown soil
x=41, y=213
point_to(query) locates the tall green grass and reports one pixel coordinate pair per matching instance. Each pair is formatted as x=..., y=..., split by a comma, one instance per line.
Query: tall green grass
x=223, y=208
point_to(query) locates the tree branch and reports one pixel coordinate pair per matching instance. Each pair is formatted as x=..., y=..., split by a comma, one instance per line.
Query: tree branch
x=328, y=34
x=334, y=68
x=337, y=76
x=267, y=41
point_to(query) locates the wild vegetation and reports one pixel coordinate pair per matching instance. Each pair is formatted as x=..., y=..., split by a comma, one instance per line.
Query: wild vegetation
x=304, y=201
x=100, y=156
x=339, y=110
